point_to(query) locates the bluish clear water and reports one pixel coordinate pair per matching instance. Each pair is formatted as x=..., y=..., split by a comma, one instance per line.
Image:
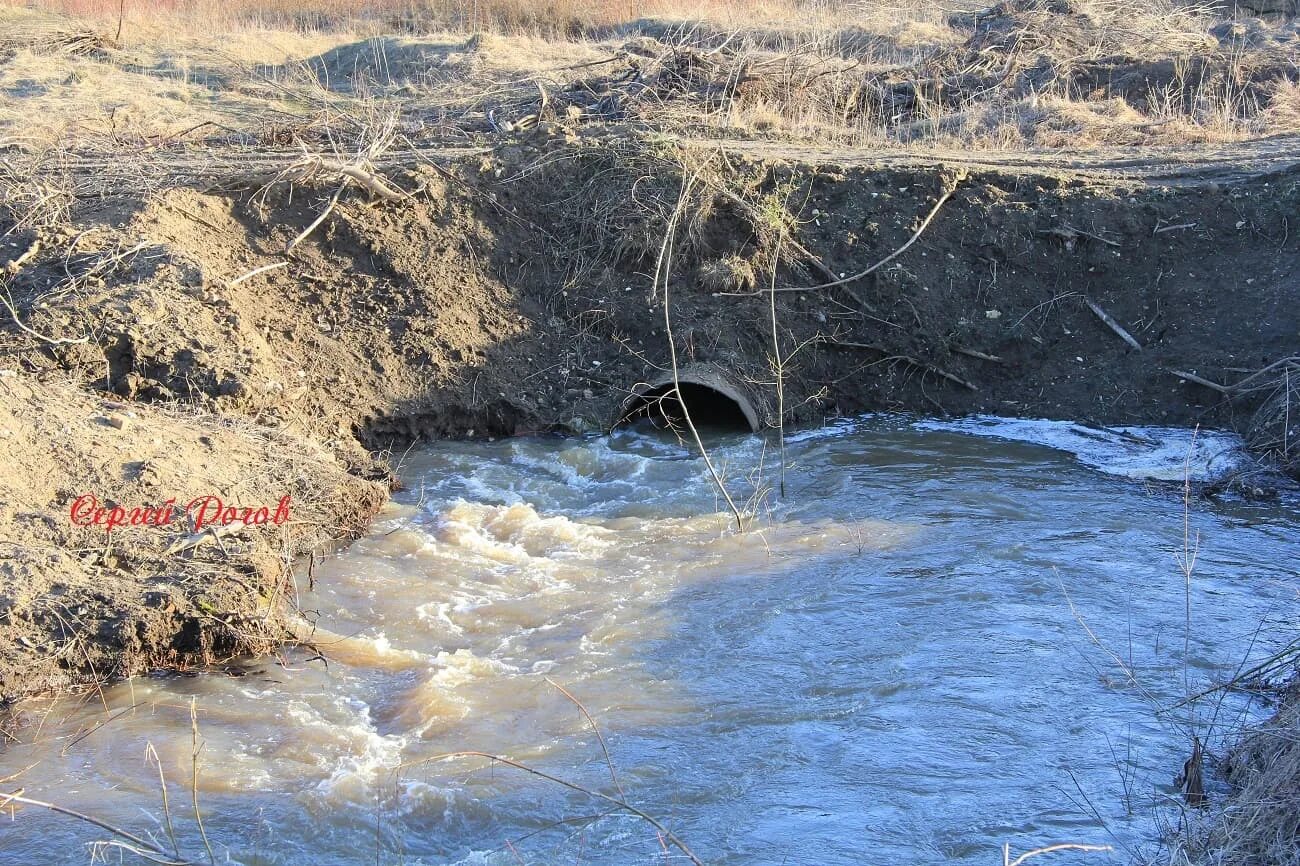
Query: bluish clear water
x=936, y=643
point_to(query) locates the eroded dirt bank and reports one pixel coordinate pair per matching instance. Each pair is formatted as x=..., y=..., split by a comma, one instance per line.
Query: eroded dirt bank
x=183, y=352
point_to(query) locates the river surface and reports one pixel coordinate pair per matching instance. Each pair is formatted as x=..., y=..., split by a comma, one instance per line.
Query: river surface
x=943, y=638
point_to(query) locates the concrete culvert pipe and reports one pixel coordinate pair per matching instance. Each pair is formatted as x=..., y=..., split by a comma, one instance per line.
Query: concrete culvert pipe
x=713, y=397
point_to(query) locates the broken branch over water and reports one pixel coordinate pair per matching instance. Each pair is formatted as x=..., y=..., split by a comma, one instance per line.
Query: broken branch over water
x=154, y=853
x=616, y=801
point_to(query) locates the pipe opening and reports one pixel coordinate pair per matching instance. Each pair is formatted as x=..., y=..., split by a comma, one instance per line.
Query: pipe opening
x=709, y=408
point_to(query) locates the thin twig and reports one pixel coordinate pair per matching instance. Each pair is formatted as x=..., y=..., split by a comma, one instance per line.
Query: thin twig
x=609, y=762
x=622, y=804
x=1066, y=846
x=194, y=777
x=13, y=314
x=152, y=754
x=778, y=367
x=255, y=271
x=1226, y=390
x=972, y=353
x=329, y=208
x=662, y=266
x=907, y=359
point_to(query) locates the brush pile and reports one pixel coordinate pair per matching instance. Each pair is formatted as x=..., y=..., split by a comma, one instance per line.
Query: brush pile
x=49, y=34
x=1275, y=429
x=998, y=73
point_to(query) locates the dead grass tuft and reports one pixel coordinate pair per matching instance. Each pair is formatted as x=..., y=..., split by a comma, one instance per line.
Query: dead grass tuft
x=1259, y=825
x=728, y=274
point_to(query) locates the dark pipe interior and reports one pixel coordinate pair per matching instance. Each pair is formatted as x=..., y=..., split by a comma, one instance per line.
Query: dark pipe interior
x=709, y=409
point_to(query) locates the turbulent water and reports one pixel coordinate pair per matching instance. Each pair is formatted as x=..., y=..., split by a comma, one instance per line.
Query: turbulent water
x=941, y=639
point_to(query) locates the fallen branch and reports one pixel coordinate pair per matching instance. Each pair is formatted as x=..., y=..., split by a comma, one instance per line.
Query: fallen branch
x=908, y=359
x=255, y=271
x=1112, y=324
x=311, y=166
x=925, y=223
x=1225, y=390
x=13, y=314
x=368, y=179
x=1069, y=234
x=982, y=356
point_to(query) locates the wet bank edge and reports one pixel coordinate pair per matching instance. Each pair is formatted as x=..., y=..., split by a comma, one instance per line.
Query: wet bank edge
x=510, y=294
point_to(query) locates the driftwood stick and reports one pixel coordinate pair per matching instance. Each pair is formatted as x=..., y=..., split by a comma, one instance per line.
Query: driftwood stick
x=1226, y=390
x=1112, y=324
x=972, y=353
x=908, y=359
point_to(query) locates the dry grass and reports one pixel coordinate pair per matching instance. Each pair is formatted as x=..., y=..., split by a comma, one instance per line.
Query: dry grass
x=552, y=17
x=1023, y=74
x=1260, y=824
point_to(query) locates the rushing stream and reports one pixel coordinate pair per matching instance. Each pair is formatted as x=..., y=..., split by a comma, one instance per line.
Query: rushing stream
x=912, y=657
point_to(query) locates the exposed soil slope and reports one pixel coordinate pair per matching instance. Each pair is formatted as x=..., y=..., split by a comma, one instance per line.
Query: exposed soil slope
x=77, y=604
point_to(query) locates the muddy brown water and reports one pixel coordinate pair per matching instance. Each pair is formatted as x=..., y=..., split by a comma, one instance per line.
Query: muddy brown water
x=893, y=665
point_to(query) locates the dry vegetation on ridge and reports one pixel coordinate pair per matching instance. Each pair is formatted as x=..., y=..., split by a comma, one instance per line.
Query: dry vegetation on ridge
x=1021, y=73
